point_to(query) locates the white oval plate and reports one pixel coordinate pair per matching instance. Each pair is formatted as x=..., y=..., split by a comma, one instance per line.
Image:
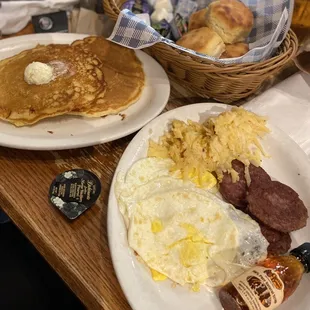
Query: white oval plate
x=67, y=132
x=289, y=164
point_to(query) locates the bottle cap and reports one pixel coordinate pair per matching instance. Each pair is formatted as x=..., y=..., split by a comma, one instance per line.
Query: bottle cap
x=303, y=254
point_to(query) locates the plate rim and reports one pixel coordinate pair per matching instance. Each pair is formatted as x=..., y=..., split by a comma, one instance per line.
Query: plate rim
x=123, y=159
x=32, y=143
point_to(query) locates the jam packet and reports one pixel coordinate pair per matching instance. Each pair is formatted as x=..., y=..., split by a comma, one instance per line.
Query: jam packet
x=137, y=6
x=74, y=191
x=178, y=26
x=163, y=28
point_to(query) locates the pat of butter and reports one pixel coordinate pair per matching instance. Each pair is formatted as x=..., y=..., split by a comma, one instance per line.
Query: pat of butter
x=38, y=73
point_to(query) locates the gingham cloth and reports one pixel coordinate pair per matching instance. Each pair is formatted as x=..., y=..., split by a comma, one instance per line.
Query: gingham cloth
x=272, y=19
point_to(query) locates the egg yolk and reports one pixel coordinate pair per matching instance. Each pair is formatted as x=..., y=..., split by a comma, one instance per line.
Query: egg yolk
x=207, y=180
x=196, y=288
x=157, y=276
x=190, y=253
x=192, y=246
x=157, y=226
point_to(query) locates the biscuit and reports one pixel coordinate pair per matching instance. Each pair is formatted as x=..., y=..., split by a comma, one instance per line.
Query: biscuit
x=235, y=50
x=197, y=20
x=203, y=40
x=230, y=19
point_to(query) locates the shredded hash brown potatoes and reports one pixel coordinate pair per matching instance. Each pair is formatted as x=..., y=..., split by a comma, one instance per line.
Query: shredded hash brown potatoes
x=198, y=149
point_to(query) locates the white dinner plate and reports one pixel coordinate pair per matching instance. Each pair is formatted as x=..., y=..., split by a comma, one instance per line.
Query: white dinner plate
x=288, y=164
x=67, y=132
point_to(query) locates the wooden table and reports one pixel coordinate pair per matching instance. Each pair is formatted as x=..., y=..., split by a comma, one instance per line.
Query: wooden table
x=77, y=250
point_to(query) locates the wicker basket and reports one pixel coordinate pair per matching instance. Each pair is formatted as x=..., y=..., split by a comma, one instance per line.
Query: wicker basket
x=205, y=78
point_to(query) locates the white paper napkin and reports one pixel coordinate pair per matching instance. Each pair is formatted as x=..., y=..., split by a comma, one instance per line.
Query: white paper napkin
x=15, y=15
x=287, y=105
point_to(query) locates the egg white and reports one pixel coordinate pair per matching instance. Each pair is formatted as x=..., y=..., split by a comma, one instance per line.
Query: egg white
x=183, y=232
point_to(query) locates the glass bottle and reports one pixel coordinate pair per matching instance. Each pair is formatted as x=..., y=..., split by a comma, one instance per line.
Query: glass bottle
x=268, y=284
x=301, y=20
x=301, y=26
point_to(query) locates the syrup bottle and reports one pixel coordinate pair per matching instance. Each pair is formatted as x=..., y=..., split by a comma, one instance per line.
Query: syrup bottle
x=269, y=284
x=301, y=21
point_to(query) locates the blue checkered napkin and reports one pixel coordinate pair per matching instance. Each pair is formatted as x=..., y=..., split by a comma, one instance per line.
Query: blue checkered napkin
x=267, y=15
x=271, y=24
x=133, y=32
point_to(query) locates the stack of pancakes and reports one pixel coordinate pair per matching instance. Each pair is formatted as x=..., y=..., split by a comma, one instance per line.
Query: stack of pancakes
x=102, y=78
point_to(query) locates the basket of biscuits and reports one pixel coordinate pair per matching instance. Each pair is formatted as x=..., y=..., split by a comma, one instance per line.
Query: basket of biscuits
x=221, y=49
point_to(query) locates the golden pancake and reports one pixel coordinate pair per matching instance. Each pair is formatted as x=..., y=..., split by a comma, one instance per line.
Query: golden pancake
x=121, y=92
x=113, y=56
x=123, y=73
x=79, y=83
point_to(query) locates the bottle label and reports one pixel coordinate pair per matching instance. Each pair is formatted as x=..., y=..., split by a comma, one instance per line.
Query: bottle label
x=261, y=288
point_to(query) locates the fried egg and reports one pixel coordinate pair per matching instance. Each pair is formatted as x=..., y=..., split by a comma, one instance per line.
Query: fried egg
x=183, y=232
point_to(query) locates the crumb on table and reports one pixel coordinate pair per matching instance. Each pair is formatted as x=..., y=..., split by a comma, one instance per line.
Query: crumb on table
x=123, y=116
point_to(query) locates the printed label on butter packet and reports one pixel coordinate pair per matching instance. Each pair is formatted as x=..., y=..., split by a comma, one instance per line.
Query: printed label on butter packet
x=74, y=191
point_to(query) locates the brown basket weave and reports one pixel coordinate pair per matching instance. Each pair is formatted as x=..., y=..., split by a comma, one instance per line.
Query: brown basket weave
x=205, y=78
